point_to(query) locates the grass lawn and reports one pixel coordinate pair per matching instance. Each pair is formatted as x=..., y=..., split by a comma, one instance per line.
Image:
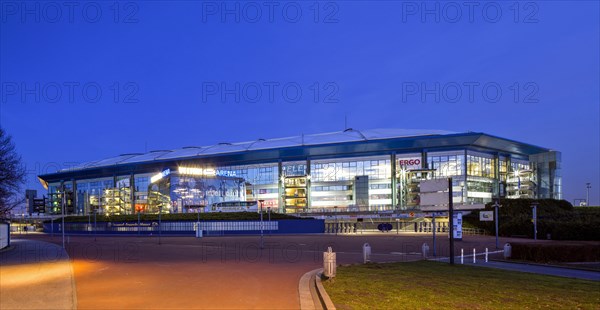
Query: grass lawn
x=432, y=285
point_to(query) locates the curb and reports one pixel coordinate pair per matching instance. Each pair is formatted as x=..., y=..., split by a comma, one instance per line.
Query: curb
x=304, y=294
x=307, y=300
x=323, y=296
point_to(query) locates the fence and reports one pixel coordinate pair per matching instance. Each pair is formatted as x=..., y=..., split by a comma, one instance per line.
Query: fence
x=209, y=228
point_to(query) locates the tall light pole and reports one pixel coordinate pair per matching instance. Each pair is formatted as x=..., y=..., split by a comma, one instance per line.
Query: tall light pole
x=587, y=197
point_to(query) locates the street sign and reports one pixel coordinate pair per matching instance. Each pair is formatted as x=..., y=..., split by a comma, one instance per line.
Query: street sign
x=437, y=185
x=486, y=216
x=457, y=226
x=434, y=199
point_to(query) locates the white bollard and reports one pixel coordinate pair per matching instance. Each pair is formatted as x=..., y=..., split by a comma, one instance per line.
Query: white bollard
x=462, y=256
x=425, y=250
x=366, y=253
x=329, y=263
x=474, y=256
x=486, y=255
x=507, y=250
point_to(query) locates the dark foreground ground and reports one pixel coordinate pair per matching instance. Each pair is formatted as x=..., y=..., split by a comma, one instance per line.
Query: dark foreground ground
x=220, y=272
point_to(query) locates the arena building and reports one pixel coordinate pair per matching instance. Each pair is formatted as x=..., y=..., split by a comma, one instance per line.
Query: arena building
x=352, y=170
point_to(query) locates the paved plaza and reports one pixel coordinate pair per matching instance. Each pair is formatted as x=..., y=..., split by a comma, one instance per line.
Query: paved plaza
x=215, y=272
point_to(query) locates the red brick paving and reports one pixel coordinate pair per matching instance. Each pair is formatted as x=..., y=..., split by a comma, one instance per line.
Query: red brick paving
x=219, y=272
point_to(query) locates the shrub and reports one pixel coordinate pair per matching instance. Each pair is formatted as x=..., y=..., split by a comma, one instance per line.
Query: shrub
x=552, y=252
x=555, y=217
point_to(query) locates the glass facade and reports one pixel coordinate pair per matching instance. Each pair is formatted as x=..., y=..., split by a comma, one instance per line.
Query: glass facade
x=363, y=183
x=335, y=187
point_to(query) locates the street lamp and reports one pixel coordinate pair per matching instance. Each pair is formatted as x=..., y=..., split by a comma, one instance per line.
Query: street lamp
x=587, y=197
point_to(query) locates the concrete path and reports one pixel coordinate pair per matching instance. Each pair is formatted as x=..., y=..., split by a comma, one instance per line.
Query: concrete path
x=524, y=267
x=36, y=275
x=540, y=269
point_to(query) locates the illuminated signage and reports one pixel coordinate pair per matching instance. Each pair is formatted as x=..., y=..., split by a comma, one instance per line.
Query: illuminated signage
x=414, y=163
x=159, y=176
x=206, y=172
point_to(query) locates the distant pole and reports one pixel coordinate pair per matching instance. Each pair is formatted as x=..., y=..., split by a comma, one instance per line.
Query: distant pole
x=159, y=223
x=262, y=245
x=587, y=197
x=139, y=224
x=534, y=206
x=95, y=228
x=269, y=212
x=336, y=222
x=64, y=204
x=451, y=220
x=496, y=219
x=433, y=229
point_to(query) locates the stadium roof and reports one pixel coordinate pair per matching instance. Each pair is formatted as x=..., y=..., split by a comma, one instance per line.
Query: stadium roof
x=348, y=135
x=347, y=143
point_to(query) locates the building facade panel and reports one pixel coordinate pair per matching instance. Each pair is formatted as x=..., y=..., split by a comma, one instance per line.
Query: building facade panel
x=357, y=175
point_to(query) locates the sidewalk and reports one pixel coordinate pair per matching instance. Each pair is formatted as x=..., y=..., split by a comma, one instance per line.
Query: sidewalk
x=36, y=275
x=524, y=267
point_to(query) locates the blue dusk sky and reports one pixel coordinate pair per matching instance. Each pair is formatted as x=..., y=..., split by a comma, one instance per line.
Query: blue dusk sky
x=82, y=81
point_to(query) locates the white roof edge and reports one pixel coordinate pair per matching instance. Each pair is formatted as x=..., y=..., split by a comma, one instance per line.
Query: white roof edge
x=313, y=139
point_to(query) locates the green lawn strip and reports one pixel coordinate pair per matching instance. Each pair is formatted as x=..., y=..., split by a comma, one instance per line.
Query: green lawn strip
x=432, y=285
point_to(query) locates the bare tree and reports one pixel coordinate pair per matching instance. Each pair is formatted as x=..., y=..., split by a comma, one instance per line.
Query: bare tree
x=12, y=175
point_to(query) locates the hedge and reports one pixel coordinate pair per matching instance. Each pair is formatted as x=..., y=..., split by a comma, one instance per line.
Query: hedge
x=558, y=218
x=552, y=252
